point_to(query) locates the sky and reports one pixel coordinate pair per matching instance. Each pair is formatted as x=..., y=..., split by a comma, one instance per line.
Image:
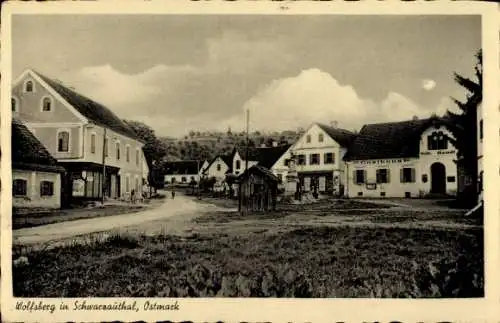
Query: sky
x=201, y=72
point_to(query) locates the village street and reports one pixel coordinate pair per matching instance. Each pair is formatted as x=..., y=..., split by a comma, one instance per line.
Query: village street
x=172, y=213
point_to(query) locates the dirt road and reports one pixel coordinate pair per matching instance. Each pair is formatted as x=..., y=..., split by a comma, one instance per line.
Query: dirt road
x=172, y=214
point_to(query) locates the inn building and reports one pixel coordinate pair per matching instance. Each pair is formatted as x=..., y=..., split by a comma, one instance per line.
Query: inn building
x=411, y=158
x=90, y=141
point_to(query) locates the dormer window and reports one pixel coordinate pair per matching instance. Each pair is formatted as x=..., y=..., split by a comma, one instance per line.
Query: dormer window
x=28, y=87
x=46, y=104
x=437, y=141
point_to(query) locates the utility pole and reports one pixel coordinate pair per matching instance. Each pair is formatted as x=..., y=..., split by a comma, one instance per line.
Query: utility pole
x=104, y=149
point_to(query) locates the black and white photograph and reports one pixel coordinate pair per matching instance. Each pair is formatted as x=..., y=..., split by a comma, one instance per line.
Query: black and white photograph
x=175, y=156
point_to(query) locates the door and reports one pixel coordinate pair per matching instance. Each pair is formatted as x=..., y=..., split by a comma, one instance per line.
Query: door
x=438, y=178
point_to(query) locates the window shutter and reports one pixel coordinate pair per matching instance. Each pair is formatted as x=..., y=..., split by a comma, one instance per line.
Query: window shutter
x=413, y=177
x=388, y=175
x=401, y=175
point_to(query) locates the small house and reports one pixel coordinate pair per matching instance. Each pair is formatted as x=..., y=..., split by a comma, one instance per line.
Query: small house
x=36, y=175
x=258, y=188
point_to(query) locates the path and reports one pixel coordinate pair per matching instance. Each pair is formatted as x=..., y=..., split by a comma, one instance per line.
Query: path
x=174, y=209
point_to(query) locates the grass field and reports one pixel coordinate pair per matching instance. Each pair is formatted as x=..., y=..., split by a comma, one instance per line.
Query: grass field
x=301, y=262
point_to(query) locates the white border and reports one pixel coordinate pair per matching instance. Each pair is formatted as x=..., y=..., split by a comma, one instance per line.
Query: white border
x=296, y=310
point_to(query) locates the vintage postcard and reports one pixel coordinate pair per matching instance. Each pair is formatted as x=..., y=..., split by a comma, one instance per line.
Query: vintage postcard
x=250, y=161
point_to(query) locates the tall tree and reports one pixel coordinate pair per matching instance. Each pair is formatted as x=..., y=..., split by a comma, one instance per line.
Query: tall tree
x=466, y=131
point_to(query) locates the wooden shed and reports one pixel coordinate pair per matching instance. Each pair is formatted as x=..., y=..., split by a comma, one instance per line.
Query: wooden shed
x=258, y=189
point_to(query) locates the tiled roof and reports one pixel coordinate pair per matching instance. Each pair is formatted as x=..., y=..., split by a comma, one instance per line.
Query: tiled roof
x=342, y=136
x=182, y=167
x=390, y=140
x=265, y=156
x=28, y=152
x=94, y=111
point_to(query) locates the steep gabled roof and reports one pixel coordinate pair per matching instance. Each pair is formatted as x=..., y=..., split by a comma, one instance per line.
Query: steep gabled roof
x=390, y=139
x=341, y=136
x=29, y=153
x=265, y=156
x=227, y=159
x=183, y=167
x=94, y=111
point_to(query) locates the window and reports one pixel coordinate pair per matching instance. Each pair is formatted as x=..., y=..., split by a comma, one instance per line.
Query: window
x=46, y=188
x=106, y=147
x=127, y=184
x=408, y=175
x=128, y=154
x=63, y=141
x=301, y=159
x=382, y=176
x=280, y=177
x=183, y=179
x=437, y=141
x=238, y=164
x=359, y=176
x=320, y=137
x=481, y=129
x=450, y=179
x=425, y=178
x=28, y=87
x=92, y=143
x=407, y=195
x=137, y=157
x=308, y=138
x=46, y=104
x=19, y=187
x=314, y=159
x=218, y=167
x=329, y=158
x=117, y=151
x=14, y=104
x=173, y=180
x=382, y=194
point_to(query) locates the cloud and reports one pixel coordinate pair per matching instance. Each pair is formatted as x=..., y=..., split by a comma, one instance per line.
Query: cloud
x=314, y=95
x=428, y=84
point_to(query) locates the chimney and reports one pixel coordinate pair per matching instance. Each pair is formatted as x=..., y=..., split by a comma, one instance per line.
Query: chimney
x=334, y=123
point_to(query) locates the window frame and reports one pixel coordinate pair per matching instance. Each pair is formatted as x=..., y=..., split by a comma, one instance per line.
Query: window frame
x=59, y=132
x=412, y=175
x=313, y=161
x=93, y=143
x=50, y=188
x=137, y=157
x=356, y=179
x=25, y=182
x=321, y=137
x=308, y=139
x=303, y=158
x=14, y=100
x=25, y=85
x=42, y=104
x=379, y=177
x=127, y=153
x=326, y=161
x=117, y=150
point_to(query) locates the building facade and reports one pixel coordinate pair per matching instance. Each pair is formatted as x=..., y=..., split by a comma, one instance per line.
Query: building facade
x=102, y=154
x=402, y=159
x=36, y=175
x=183, y=172
x=318, y=157
x=218, y=168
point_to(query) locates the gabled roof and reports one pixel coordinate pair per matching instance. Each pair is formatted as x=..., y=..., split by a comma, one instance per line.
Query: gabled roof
x=29, y=153
x=227, y=159
x=265, y=156
x=256, y=169
x=184, y=167
x=390, y=139
x=341, y=136
x=94, y=111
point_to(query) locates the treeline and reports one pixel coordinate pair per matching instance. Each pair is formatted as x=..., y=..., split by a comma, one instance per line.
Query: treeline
x=206, y=145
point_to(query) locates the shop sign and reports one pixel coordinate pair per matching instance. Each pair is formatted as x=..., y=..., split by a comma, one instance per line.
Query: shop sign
x=383, y=161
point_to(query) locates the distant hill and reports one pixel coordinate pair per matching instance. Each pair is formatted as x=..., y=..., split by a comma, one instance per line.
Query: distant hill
x=206, y=145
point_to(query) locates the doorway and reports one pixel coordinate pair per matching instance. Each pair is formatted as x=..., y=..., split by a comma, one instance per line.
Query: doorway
x=438, y=179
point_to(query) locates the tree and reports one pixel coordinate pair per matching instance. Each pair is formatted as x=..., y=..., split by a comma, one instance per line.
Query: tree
x=465, y=132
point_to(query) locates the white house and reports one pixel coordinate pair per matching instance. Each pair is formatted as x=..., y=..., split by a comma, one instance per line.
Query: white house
x=183, y=172
x=100, y=152
x=402, y=159
x=318, y=155
x=274, y=158
x=36, y=175
x=218, y=168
